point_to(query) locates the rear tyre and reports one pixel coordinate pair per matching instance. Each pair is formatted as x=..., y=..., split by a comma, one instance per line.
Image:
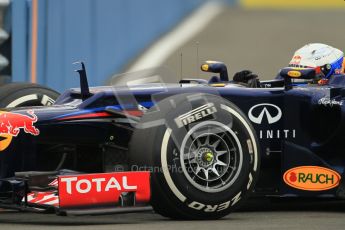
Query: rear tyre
x=203, y=154
x=26, y=94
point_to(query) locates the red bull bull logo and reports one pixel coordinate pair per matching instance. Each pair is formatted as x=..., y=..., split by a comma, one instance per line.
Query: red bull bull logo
x=295, y=60
x=5, y=139
x=13, y=123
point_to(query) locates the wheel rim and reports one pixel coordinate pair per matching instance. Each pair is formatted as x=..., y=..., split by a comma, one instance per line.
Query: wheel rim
x=211, y=156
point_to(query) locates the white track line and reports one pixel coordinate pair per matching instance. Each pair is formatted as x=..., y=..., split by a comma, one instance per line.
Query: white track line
x=168, y=44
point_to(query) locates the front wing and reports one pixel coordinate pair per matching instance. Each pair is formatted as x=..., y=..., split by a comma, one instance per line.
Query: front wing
x=78, y=194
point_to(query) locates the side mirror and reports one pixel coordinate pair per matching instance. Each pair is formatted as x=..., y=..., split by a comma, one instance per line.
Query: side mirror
x=216, y=67
x=290, y=73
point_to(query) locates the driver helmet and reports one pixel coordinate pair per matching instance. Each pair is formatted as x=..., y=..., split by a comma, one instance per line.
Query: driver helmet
x=325, y=59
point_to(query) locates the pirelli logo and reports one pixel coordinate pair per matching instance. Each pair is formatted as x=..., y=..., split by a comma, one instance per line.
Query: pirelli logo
x=195, y=114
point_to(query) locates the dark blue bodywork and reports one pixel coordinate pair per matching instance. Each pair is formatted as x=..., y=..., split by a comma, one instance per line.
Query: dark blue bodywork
x=309, y=132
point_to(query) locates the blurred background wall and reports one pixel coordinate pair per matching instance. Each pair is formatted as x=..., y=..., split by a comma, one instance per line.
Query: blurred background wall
x=106, y=35
x=42, y=38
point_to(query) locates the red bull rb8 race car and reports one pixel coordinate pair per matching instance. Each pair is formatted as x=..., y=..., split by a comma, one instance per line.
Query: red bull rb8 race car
x=192, y=150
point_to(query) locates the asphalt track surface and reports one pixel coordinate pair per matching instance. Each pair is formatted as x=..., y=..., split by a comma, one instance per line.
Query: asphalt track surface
x=289, y=214
x=262, y=41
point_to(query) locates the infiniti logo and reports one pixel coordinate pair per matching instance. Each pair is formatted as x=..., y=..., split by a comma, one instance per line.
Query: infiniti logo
x=271, y=118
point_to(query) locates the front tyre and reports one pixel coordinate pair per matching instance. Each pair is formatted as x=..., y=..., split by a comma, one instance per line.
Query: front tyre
x=26, y=94
x=203, y=154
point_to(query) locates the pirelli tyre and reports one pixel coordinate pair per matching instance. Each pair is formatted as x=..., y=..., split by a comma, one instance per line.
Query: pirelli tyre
x=26, y=94
x=203, y=154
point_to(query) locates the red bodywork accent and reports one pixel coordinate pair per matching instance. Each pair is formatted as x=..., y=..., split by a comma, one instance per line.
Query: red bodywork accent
x=89, y=115
x=44, y=198
x=136, y=113
x=102, y=188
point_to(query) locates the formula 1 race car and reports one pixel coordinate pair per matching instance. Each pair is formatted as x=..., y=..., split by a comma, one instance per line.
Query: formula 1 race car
x=193, y=150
